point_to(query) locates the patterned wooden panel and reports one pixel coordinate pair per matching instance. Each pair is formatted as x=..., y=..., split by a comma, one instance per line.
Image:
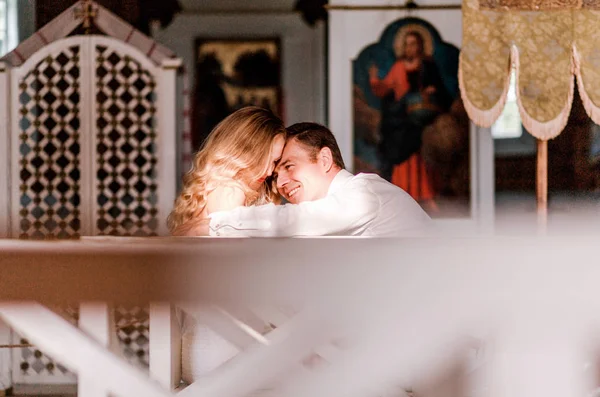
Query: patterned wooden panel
x=32, y=366
x=49, y=100
x=133, y=331
x=126, y=146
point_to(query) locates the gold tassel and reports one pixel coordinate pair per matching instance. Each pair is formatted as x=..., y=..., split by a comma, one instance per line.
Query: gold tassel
x=590, y=107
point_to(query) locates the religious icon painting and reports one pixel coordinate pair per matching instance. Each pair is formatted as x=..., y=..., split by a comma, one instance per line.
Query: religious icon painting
x=410, y=125
x=231, y=74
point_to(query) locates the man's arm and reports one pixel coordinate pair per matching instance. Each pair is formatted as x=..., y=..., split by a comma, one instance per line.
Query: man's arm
x=346, y=213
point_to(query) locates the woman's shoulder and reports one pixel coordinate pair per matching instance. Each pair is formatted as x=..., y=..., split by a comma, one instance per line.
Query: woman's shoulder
x=225, y=198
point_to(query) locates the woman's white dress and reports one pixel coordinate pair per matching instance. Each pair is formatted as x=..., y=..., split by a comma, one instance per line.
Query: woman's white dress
x=202, y=350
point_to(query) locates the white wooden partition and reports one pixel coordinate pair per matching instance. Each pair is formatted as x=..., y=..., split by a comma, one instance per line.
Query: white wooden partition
x=406, y=318
x=92, y=141
x=88, y=140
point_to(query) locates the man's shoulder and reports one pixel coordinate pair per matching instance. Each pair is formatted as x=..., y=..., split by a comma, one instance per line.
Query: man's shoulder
x=373, y=183
x=347, y=182
x=379, y=184
x=369, y=177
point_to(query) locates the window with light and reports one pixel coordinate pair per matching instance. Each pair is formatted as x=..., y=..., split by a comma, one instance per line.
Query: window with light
x=508, y=125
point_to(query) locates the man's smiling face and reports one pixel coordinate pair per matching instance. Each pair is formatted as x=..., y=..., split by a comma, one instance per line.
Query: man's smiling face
x=300, y=176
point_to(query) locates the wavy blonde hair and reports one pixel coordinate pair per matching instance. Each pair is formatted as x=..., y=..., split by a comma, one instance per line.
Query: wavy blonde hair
x=236, y=152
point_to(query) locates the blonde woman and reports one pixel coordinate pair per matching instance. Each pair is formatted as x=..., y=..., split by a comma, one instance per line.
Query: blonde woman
x=231, y=169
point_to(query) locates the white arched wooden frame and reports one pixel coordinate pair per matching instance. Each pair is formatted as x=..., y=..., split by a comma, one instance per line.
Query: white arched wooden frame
x=165, y=78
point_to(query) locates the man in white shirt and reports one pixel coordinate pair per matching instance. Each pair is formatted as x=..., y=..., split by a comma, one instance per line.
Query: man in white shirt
x=325, y=199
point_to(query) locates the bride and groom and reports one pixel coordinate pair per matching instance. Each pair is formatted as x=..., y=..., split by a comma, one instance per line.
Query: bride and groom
x=250, y=162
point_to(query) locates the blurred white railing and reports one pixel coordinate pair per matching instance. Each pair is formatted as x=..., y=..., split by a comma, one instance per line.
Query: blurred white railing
x=407, y=312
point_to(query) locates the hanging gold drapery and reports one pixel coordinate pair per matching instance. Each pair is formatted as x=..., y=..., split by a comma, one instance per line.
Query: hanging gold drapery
x=549, y=42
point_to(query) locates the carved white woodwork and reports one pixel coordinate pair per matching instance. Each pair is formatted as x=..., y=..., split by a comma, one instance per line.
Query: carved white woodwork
x=97, y=321
x=88, y=141
x=92, y=141
x=407, y=320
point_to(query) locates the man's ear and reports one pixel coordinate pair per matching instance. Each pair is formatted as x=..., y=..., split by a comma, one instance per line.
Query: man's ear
x=325, y=159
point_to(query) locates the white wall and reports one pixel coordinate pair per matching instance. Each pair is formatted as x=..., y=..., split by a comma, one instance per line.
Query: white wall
x=303, y=55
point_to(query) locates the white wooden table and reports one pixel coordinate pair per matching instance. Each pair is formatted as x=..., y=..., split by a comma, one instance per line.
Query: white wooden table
x=408, y=310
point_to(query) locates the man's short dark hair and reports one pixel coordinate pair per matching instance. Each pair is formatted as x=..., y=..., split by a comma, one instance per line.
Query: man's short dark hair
x=316, y=137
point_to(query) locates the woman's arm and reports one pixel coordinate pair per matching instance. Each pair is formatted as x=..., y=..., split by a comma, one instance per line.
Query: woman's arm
x=223, y=198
